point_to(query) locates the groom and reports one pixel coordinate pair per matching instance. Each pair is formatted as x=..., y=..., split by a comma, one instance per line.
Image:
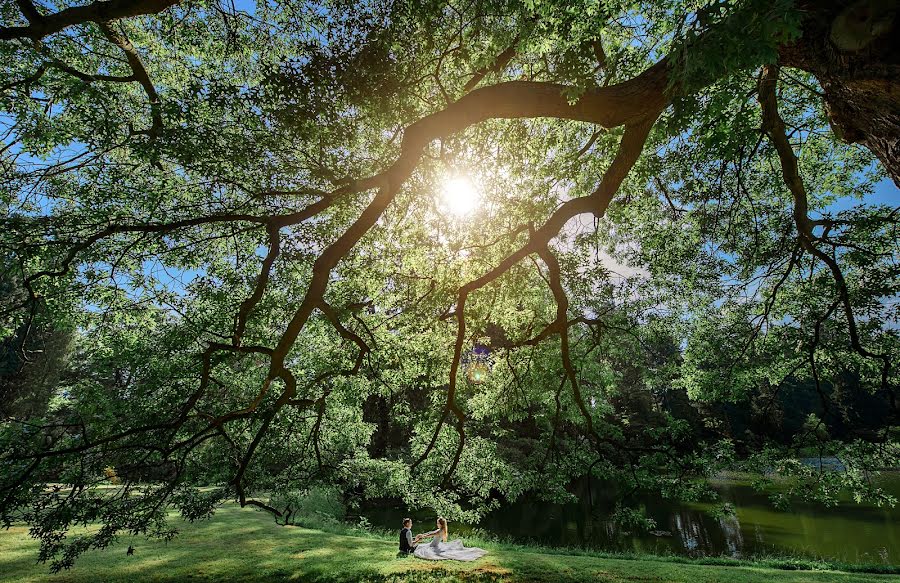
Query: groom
x=407, y=543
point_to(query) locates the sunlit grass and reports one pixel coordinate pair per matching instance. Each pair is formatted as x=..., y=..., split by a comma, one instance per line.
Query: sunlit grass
x=246, y=545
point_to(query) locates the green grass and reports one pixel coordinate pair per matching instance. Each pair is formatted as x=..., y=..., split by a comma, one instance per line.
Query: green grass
x=246, y=545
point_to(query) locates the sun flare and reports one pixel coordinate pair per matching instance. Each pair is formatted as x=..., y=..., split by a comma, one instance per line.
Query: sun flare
x=459, y=196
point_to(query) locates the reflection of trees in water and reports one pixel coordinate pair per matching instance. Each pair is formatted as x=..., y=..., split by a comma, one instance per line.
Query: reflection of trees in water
x=691, y=531
x=734, y=538
x=700, y=534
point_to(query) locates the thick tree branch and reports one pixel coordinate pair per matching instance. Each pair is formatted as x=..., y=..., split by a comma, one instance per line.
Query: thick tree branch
x=40, y=26
x=635, y=103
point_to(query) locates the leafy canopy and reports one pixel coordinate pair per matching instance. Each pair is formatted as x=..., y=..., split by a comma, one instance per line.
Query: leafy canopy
x=227, y=259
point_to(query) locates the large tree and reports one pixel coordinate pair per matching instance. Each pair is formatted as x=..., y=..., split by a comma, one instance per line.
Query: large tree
x=238, y=210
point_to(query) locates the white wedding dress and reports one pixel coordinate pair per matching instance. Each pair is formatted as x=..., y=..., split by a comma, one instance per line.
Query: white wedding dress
x=438, y=550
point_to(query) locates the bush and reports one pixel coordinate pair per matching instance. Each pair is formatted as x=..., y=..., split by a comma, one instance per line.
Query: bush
x=315, y=506
x=111, y=475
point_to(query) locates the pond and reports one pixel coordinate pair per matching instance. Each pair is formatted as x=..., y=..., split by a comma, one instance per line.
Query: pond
x=849, y=532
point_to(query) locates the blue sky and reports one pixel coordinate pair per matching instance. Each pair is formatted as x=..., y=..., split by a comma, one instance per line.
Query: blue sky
x=886, y=192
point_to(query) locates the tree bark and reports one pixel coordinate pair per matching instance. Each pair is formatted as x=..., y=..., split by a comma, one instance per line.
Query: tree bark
x=102, y=11
x=852, y=49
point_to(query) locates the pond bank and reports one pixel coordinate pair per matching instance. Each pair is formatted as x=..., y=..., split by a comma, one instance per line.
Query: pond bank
x=246, y=545
x=848, y=532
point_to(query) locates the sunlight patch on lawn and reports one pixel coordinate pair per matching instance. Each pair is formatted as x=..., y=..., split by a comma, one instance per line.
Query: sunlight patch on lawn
x=145, y=564
x=320, y=552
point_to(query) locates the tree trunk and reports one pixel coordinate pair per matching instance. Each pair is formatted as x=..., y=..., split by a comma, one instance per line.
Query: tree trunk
x=852, y=49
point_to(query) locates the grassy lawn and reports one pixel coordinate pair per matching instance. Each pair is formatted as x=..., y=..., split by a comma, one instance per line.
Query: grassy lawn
x=243, y=544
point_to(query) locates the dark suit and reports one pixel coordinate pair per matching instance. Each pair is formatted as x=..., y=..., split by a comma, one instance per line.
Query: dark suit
x=406, y=543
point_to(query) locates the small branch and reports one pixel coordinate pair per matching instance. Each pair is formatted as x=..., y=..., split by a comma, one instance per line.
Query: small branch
x=27, y=80
x=496, y=66
x=262, y=281
x=86, y=77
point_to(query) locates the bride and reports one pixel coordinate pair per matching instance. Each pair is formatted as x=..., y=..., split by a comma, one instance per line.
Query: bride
x=440, y=549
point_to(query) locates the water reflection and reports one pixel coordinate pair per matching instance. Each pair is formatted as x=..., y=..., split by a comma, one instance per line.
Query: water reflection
x=848, y=532
x=734, y=538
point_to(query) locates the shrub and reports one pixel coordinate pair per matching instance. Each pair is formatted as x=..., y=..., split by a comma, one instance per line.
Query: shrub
x=112, y=476
x=314, y=506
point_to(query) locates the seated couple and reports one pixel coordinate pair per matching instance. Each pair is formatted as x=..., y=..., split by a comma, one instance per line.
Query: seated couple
x=438, y=549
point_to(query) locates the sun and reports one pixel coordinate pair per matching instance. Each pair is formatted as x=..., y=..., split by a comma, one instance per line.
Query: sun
x=459, y=195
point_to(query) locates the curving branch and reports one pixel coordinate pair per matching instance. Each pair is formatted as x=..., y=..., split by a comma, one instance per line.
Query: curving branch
x=635, y=104
x=41, y=25
x=496, y=66
x=259, y=289
x=238, y=480
x=288, y=398
x=271, y=222
x=88, y=77
x=139, y=74
x=790, y=172
x=560, y=327
x=346, y=334
x=52, y=63
x=102, y=14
